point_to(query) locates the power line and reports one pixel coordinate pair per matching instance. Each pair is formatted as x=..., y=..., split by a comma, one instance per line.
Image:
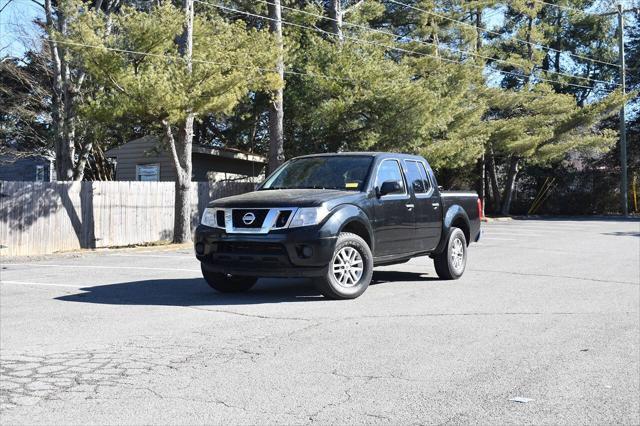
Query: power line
x=5, y=5
x=390, y=47
x=437, y=46
x=559, y=6
x=541, y=46
x=292, y=72
x=532, y=96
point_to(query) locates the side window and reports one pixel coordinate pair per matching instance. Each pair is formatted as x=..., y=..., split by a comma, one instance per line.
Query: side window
x=425, y=178
x=390, y=170
x=414, y=177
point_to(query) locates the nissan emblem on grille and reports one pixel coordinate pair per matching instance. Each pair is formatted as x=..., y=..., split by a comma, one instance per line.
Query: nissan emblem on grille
x=248, y=218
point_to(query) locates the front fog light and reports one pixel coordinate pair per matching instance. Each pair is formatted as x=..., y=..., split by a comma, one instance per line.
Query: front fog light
x=199, y=248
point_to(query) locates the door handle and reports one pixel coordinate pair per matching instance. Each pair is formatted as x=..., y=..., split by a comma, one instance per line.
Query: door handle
x=436, y=205
x=409, y=206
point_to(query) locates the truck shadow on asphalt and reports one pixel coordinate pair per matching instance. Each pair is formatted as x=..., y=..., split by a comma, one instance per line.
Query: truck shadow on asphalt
x=195, y=292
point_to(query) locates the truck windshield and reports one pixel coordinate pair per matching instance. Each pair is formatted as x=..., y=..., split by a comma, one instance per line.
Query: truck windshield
x=331, y=172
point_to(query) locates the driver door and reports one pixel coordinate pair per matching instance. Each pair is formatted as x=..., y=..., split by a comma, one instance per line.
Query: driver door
x=394, y=222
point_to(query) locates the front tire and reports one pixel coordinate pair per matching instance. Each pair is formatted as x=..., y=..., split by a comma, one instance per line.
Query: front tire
x=227, y=283
x=451, y=263
x=350, y=270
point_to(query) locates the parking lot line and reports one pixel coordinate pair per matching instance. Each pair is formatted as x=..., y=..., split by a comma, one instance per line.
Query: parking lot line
x=521, y=234
x=519, y=229
x=42, y=284
x=164, y=256
x=49, y=265
x=546, y=225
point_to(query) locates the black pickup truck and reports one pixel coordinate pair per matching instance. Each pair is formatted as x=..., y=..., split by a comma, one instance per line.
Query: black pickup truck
x=333, y=217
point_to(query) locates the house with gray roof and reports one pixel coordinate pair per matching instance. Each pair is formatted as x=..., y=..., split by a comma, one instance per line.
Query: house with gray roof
x=144, y=159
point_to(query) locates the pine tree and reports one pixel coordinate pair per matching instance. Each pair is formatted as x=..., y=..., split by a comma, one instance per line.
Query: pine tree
x=539, y=130
x=175, y=80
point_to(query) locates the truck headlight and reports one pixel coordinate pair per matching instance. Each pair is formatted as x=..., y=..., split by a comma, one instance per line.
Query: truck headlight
x=209, y=217
x=308, y=216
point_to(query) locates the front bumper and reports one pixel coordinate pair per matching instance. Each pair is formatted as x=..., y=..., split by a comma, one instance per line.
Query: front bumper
x=302, y=252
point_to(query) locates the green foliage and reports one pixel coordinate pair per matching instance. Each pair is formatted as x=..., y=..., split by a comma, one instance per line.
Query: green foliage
x=430, y=96
x=378, y=100
x=542, y=126
x=229, y=60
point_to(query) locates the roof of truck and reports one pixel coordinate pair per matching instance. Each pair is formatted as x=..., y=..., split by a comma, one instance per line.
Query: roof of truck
x=366, y=154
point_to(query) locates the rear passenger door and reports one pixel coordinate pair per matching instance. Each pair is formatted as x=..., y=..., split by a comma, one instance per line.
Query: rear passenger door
x=393, y=223
x=427, y=210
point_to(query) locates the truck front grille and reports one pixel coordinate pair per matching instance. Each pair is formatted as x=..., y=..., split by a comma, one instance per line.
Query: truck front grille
x=253, y=221
x=241, y=217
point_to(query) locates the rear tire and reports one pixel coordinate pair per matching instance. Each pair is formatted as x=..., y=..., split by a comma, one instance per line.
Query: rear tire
x=451, y=263
x=350, y=270
x=227, y=283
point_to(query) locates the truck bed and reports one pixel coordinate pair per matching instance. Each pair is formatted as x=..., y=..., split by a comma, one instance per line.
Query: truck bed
x=468, y=201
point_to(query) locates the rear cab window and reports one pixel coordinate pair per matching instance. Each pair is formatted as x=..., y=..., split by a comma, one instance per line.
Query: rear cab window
x=426, y=178
x=418, y=178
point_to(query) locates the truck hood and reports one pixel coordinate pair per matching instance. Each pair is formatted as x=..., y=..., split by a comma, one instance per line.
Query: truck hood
x=289, y=198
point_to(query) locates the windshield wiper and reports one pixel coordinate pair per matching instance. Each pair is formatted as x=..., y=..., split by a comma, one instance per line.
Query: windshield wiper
x=315, y=187
x=300, y=187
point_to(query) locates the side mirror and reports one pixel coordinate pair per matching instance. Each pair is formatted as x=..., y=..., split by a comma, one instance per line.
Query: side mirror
x=389, y=187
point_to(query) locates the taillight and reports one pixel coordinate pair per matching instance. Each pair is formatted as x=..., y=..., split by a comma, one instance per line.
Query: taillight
x=480, y=215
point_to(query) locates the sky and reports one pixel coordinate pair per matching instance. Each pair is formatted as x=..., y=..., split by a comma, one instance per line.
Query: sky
x=17, y=20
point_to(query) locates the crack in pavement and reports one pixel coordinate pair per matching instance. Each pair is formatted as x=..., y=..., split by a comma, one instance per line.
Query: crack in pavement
x=528, y=274
x=464, y=314
x=27, y=379
x=367, y=377
x=312, y=417
x=242, y=314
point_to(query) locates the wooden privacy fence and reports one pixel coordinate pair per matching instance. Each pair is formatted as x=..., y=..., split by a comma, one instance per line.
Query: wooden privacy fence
x=48, y=217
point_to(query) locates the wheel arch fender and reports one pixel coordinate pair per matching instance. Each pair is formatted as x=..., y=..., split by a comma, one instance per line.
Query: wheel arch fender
x=455, y=217
x=350, y=218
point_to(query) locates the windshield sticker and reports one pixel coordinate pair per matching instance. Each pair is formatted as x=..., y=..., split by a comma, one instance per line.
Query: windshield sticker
x=350, y=185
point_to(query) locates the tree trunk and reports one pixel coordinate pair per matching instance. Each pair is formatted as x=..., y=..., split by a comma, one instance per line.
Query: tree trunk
x=78, y=170
x=509, y=186
x=182, y=147
x=479, y=30
x=182, y=215
x=529, y=50
x=64, y=162
x=276, y=106
x=488, y=193
x=335, y=15
x=493, y=177
x=181, y=150
x=66, y=87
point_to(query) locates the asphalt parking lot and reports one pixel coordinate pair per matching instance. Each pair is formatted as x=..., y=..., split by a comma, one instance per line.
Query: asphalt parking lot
x=548, y=310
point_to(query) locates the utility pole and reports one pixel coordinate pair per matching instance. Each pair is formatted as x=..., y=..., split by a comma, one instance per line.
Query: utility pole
x=624, y=185
x=276, y=107
x=483, y=161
